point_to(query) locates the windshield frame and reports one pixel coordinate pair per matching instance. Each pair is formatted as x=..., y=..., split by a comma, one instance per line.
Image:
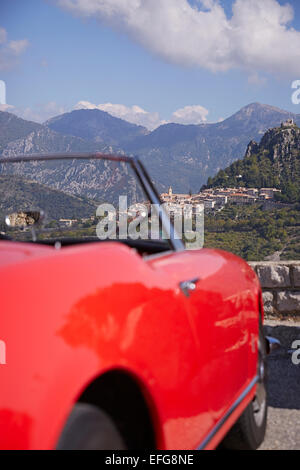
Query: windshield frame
x=137, y=167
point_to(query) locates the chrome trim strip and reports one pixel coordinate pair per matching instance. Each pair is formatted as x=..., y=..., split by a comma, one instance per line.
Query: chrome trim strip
x=228, y=414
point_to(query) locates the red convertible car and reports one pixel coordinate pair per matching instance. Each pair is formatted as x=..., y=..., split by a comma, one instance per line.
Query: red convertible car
x=119, y=343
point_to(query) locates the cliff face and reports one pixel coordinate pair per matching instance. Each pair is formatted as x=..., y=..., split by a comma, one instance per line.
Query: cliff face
x=43, y=140
x=281, y=143
x=253, y=147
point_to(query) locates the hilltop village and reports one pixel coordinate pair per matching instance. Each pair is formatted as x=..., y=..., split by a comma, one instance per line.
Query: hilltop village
x=217, y=198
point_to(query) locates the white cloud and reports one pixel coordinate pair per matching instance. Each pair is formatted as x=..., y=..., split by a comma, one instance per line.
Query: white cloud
x=17, y=47
x=7, y=107
x=3, y=35
x=256, y=38
x=134, y=114
x=42, y=112
x=195, y=114
x=10, y=50
x=38, y=113
x=256, y=79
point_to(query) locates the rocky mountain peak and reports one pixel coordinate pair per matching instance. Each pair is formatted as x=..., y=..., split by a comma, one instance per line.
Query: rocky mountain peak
x=280, y=142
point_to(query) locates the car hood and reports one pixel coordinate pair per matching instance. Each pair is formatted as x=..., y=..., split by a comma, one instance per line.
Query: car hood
x=12, y=253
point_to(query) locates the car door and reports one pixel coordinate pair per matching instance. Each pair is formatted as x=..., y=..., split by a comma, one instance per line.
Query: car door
x=216, y=316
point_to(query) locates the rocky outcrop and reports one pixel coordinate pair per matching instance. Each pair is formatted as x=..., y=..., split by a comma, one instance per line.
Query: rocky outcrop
x=280, y=283
x=273, y=163
x=281, y=142
x=253, y=147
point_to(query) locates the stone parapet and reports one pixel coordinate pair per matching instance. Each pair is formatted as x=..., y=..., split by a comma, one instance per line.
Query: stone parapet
x=280, y=281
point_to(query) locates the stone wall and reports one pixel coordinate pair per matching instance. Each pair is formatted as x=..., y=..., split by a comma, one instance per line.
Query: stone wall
x=280, y=283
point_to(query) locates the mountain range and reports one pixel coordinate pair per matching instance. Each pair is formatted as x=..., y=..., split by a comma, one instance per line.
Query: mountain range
x=183, y=156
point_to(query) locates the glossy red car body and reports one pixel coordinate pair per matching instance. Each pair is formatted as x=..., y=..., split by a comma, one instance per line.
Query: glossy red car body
x=69, y=316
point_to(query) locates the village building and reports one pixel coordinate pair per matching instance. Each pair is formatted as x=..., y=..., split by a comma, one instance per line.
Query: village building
x=68, y=222
x=268, y=192
x=288, y=123
x=217, y=198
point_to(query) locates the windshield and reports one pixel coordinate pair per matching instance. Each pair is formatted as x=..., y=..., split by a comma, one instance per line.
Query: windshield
x=72, y=199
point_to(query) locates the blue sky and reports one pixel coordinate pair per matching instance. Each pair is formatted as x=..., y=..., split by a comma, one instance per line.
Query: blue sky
x=148, y=65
